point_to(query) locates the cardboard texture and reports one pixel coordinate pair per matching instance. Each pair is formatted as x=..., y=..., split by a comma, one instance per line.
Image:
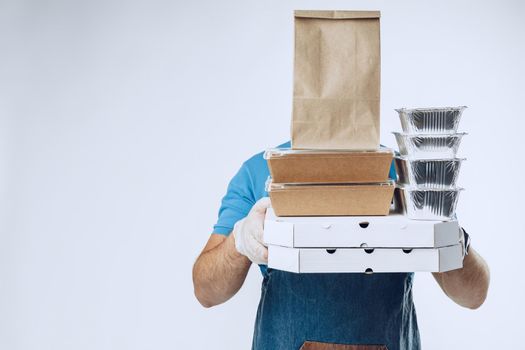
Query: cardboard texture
x=329, y=167
x=392, y=231
x=330, y=200
x=336, y=80
x=313, y=345
x=344, y=260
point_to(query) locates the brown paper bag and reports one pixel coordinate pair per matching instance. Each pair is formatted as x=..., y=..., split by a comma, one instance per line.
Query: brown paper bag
x=336, y=80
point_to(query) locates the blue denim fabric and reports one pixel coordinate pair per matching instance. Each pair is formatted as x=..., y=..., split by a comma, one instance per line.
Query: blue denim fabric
x=336, y=308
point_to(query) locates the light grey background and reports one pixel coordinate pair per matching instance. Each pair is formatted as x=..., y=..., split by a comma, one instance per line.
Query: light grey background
x=121, y=124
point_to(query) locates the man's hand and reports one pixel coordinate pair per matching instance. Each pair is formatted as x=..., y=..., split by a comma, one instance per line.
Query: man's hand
x=248, y=233
x=469, y=285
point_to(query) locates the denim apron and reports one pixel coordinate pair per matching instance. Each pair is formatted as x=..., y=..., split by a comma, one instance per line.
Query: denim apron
x=335, y=308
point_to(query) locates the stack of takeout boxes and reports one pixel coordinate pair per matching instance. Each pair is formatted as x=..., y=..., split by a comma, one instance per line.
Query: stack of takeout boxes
x=331, y=209
x=331, y=214
x=427, y=165
x=325, y=182
x=331, y=193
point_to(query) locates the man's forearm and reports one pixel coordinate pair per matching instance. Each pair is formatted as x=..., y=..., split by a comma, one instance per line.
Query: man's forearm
x=469, y=285
x=219, y=272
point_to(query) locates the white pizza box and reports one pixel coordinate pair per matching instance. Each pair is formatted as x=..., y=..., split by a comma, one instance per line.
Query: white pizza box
x=394, y=230
x=316, y=260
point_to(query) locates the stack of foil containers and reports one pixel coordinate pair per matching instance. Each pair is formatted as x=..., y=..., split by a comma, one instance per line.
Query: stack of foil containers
x=427, y=165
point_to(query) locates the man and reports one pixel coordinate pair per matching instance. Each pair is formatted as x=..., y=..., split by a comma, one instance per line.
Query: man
x=350, y=308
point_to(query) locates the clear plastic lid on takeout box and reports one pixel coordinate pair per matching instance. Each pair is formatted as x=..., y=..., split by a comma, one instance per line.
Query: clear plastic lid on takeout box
x=272, y=186
x=441, y=120
x=287, y=151
x=288, y=165
x=333, y=199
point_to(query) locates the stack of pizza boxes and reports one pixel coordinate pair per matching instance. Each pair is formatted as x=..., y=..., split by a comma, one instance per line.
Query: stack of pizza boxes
x=332, y=190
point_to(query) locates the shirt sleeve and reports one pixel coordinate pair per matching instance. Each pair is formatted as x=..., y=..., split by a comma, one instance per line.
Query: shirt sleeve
x=392, y=174
x=237, y=202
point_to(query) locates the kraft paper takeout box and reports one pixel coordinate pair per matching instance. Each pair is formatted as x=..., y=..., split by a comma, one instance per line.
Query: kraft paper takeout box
x=337, y=70
x=317, y=260
x=392, y=231
x=314, y=166
x=331, y=199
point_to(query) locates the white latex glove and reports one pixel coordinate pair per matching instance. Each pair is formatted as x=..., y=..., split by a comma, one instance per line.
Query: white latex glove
x=248, y=233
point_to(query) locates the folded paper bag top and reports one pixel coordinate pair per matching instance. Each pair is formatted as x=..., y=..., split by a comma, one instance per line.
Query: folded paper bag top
x=336, y=80
x=336, y=14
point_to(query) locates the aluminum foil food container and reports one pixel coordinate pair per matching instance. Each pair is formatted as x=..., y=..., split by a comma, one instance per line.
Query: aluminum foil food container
x=431, y=146
x=427, y=203
x=430, y=120
x=435, y=173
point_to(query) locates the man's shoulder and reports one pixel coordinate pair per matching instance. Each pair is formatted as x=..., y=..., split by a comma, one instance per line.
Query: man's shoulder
x=258, y=172
x=256, y=163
